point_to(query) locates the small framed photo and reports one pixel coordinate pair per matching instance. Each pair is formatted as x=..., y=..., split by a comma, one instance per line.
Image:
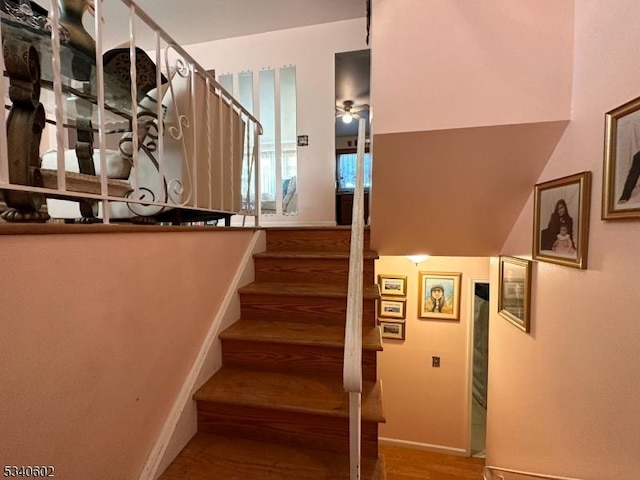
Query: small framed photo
x=514, y=291
x=439, y=295
x=561, y=220
x=392, y=308
x=392, y=329
x=395, y=285
x=620, y=189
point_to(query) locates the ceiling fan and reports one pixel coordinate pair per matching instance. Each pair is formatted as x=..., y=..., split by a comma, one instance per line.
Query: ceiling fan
x=349, y=111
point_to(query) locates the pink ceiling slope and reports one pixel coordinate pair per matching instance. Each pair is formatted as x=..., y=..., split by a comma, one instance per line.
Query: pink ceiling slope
x=455, y=192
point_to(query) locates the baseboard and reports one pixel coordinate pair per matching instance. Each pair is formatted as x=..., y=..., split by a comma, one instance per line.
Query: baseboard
x=461, y=452
x=161, y=455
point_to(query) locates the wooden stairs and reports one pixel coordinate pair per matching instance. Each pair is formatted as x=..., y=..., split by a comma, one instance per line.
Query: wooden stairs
x=277, y=410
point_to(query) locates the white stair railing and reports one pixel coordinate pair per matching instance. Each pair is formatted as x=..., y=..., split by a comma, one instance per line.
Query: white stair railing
x=171, y=159
x=497, y=473
x=353, y=329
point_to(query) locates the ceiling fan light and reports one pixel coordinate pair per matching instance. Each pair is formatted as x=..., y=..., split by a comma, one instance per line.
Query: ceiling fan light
x=347, y=117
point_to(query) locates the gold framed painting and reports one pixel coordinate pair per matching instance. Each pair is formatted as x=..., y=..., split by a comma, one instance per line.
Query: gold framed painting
x=620, y=189
x=392, y=308
x=439, y=295
x=514, y=291
x=393, y=329
x=561, y=220
x=395, y=285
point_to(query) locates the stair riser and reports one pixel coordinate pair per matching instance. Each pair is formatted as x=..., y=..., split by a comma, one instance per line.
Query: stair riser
x=311, y=240
x=302, y=308
x=301, y=270
x=289, y=428
x=292, y=358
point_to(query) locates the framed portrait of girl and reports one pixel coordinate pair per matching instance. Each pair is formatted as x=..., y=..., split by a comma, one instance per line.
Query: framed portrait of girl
x=439, y=295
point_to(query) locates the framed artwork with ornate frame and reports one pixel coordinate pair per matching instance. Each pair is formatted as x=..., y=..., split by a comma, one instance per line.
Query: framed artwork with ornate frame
x=561, y=220
x=439, y=295
x=620, y=190
x=395, y=285
x=514, y=291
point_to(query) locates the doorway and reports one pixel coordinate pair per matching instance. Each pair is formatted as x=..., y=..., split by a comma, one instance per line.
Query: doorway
x=480, y=366
x=352, y=84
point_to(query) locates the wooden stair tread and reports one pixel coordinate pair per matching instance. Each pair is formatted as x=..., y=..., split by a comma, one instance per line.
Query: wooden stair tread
x=299, y=333
x=318, y=395
x=367, y=255
x=215, y=457
x=307, y=289
x=277, y=409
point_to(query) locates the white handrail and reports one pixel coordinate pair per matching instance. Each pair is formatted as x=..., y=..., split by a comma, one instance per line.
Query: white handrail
x=492, y=473
x=353, y=330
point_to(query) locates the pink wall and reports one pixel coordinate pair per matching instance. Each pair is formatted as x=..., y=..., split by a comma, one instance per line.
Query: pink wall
x=99, y=333
x=425, y=405
x=455, y=192
x=470, y=99
x=459, y=63
x=564, y=399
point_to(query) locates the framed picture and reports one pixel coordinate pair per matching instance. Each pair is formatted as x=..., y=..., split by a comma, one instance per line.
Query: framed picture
x=620, y=190
x=514, y=291
x=392, y=329
x=561, y=220
x=439, y=295
x=392, y=308
x=393, y=285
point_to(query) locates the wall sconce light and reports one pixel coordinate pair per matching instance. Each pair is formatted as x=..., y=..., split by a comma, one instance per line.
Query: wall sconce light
x=417, y=259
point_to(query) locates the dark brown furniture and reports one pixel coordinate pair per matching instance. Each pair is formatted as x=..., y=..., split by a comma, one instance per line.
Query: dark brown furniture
x=344, y=207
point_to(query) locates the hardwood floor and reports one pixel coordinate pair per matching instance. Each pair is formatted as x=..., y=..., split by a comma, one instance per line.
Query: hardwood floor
x=412, y=464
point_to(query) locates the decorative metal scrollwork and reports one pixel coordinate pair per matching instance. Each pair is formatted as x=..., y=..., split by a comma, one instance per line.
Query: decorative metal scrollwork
x=176, y=188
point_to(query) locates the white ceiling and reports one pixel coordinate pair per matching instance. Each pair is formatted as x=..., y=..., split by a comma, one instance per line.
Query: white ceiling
x=194, y=21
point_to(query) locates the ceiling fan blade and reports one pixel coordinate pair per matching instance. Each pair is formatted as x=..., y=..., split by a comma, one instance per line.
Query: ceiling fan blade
x=360, y=108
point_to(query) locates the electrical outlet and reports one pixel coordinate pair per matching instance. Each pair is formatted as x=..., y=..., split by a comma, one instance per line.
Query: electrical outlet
x=435, y=362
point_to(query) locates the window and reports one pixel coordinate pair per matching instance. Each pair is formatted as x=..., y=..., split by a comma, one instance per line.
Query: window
x=346, y=170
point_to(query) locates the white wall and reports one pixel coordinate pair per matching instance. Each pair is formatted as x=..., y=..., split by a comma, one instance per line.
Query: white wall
x=312, y=50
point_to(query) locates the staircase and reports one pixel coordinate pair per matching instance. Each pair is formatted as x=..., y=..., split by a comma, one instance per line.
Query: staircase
x=277, y=409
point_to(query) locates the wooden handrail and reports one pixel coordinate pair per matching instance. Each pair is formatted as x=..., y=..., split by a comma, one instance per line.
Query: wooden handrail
x=353, y=330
